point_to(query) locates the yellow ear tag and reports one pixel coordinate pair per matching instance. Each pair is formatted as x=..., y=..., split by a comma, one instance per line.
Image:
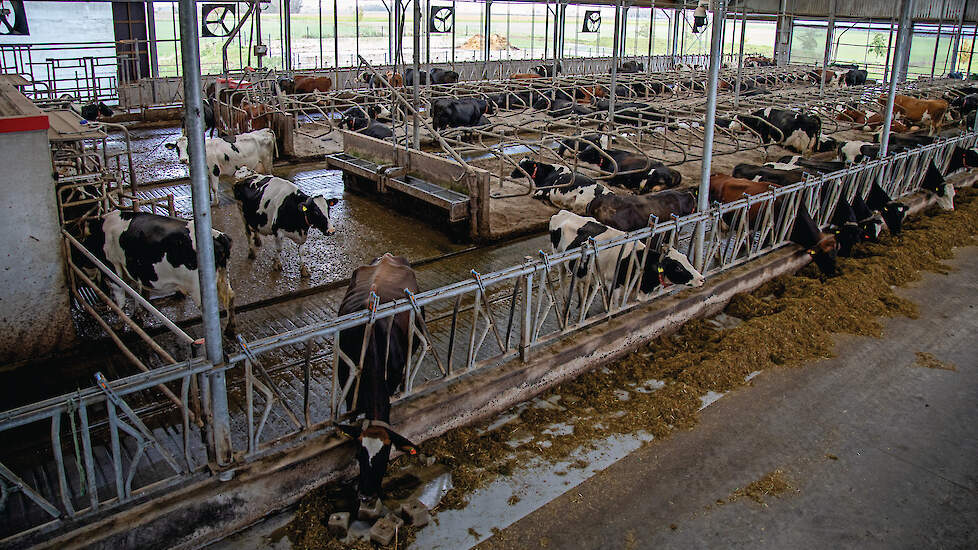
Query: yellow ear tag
x=660, y=270
x=304, y=208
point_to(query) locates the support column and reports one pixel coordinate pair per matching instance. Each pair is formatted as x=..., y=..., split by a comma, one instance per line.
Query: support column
x=956, y=44
x=903, y=50
x=782, y=36
x=703, y=198
x=904, y=35
x=417, y=73
x=154, y=56
x=740, y=55
x=614, y=63
x=937, y=41
x=829, y=34
x=486, y=30
x=219, y=434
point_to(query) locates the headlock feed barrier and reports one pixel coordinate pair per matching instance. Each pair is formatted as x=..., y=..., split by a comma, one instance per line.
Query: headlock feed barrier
x=473, y=324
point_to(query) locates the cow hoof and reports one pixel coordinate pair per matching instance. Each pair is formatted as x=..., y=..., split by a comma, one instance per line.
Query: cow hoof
x=304, y=271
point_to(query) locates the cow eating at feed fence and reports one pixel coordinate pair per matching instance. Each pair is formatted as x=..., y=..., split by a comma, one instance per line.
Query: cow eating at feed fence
x=384, y=348
x=661, y=268
x=277, y=207
x=157, y=254
x=254, y=150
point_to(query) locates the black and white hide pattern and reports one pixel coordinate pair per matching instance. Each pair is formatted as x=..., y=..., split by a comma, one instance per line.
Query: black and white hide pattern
x=559, y=186
x=851, y=152
x=157, y=255
x=253, y=150
x=893, y=212
x=661, y=268
x=935, y=184
x=791, y=129
x=272, y=206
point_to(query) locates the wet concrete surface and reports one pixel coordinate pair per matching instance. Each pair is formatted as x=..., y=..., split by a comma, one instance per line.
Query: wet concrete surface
x=365, y=230
x=881, y=452
x=152, y=161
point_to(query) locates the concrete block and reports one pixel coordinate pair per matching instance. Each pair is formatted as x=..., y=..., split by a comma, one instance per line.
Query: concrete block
x=339, y=524
x=393, y=518
x=382, y=532
x=370, y=512
x=415, y=513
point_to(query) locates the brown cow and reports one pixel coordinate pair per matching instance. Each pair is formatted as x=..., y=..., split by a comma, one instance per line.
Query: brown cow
x=587, y=94
x=304, y=84
x=929, y=112
x=524, y=76
x=870, y=119
x=724, y=188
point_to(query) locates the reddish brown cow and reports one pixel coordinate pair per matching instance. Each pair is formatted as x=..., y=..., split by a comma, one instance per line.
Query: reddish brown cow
x=929, y=112
x=305, y=84
x=724, y=188
x=874, y=120
x=524, y=76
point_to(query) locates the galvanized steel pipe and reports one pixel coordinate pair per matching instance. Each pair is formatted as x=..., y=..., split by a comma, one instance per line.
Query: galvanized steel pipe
x=703, y=199
x=899, y=58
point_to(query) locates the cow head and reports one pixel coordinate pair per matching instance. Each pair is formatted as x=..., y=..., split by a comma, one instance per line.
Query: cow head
x=104, y=110
x=659, y=178
x=375, y=440
x=936, y=184
x=665, y=267
x=180, y=146
x=243, y=172
x=538, y=171
x=894, y=213
x=824, y=144
x=316, y=212
x=822, y=247
x=961, y=159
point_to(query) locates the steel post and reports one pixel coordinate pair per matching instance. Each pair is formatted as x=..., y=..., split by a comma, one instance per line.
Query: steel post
x=937, y=41
x=417, y=74
x=899, y=58
x=614, y=64
x=336, y=47
x=648, y=66
x=829, y=31
x=703, y=199
x=956, y=43
x=154, y=55
x=486, y=29
x=740, y=55
x=219, y=420
x=675, y=37
x=889, y=53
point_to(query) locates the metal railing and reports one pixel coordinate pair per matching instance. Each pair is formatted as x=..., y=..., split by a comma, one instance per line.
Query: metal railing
x=461, y=328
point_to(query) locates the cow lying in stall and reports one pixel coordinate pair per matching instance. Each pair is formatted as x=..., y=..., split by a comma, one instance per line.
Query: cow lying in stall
x=277, y=207
x=254, y=150
x=646, y=175
x=793, y=130
x=821, y=246
x=453, y=113
x=157, y=254
x=584, y=196
x=661, y=268
x=385, y=354
x=305, y=84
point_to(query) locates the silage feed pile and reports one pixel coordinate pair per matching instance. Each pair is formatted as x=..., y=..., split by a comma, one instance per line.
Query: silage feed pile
x=657, y=389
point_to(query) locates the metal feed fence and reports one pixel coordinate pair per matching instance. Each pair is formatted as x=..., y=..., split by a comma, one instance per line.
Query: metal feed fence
x=102, y=452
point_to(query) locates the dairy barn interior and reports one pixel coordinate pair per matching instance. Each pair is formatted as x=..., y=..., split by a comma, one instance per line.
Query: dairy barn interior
x=254, y=247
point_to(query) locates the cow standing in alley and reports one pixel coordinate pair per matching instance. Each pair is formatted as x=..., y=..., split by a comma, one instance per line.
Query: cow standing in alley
x=384, y=348
x=254, y=150
x=274, y=206
x=157, y=254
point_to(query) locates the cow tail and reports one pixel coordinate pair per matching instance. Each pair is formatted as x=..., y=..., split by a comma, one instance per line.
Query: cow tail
x=225, y=296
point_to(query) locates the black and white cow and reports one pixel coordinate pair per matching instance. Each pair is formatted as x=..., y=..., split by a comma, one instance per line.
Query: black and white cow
x=368, y=127
x=871, y=224
x=560, y=186
x=561, y=107
x=646, y=174
x=385, y=354
x=254, y=150
x=822, y=247
x=157, y=254
x=631, y=67
x=548, y=69
x=822, y=166
x=276, y=207
x=661, y=267
x=768, y=174
x=794, y=130
x=826, y=144
x=935, y=183
x=893, y=211
x=453, y=113
x=90, y=111
x=631, y=212
x=858, y=151
x=853, y=77
x=845, y=226
x=962, y=159
x=443, y=76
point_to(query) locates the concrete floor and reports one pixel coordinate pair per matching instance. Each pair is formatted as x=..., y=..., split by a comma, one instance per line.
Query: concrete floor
x=882, y=453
